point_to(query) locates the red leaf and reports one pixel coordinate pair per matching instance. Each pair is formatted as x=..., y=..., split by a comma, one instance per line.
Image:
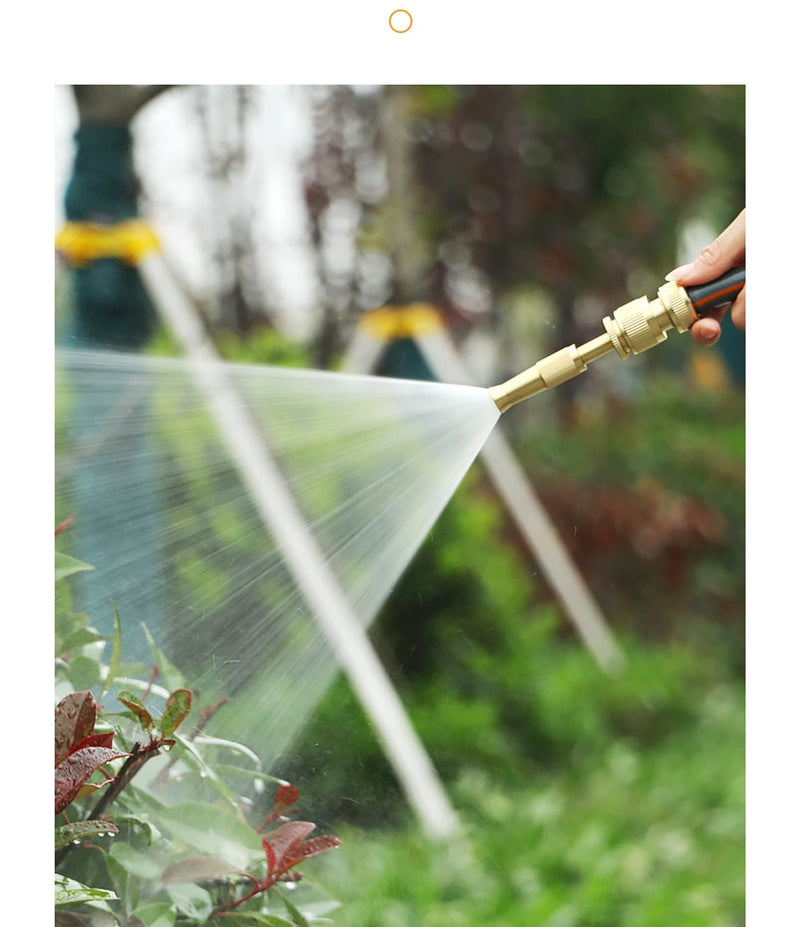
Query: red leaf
x=270, y=856
x=285, y=796
x=317, y=845
x=64, y=524
x=76, y=770
x=76, y=715
x=284, y=843
x=96, y=740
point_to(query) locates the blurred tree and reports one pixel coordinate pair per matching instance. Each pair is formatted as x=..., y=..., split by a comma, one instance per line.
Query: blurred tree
x=345, y=179
x=223, y=114
x=575, y=190
x=559, y=183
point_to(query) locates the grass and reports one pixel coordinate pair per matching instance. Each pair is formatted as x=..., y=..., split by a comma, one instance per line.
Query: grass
x=637, y=831
x=637, y=838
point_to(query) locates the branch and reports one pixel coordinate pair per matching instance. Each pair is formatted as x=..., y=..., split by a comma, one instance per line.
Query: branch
x=131, y=766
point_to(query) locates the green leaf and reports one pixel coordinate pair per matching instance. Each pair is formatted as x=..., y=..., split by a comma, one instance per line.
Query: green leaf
x=214, y=831
x=294, y=913
x=68, y=891
x=66, y=566
x=140, y=823
x=79, y=830
x=156, y=915
x=179, y=704
x=80, y=638
x=199, y=869
x=123, y=883
x=116, y=651
x=188, y=752
x=135, y=862
x=191, y=900
x=83, y=672
x=234, y=747
x=143, y=716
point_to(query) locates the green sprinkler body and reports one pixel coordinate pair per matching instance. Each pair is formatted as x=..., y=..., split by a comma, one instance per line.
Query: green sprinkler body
x=631, y=329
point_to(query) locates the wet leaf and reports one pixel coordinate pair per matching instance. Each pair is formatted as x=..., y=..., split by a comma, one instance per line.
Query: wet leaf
x=98, y=739
x=79, y=830
x=179, y=704
x=143, y=716
x=75, y=718
x=75, y=770
x=68, y=891
x=284, y=846
x=317, y=845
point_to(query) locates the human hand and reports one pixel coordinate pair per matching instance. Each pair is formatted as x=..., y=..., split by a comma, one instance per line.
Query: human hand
x=725, y=252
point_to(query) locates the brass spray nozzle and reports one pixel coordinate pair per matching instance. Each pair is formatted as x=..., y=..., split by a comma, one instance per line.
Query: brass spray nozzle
x=633, y=328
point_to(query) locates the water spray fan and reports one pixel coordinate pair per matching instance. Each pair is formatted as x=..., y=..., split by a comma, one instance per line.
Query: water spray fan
x=631, y=329
x=255, y=519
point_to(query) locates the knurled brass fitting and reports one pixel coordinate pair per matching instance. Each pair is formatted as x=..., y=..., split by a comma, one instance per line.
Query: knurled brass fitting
x=642, y=323
x=633, y=328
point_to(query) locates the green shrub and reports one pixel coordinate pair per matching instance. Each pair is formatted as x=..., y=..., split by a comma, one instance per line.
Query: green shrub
x=151, y=812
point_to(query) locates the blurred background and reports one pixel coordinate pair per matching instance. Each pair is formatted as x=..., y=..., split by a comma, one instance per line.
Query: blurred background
x=523, y=215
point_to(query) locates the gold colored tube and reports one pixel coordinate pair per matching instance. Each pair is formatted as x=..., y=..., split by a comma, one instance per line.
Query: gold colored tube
x=633, y=328
x=550, y=371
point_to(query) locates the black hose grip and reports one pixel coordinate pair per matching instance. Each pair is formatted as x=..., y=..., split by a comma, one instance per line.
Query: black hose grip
x=707, y=296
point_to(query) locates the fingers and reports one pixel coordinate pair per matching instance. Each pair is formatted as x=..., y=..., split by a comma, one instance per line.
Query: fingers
x=737, y=310
x=706, y=331
x=726, y=251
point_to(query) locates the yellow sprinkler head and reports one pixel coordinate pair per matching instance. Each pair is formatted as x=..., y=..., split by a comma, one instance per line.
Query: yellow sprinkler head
x=631, y=329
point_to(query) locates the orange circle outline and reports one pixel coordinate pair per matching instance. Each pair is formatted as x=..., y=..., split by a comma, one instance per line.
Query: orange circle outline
x=410, y=21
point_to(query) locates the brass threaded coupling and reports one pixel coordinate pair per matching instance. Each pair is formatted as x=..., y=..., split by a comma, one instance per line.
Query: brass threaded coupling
x=631, y=329
x=643, y=323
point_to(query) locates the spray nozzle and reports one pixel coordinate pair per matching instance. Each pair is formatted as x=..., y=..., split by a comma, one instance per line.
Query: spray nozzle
x=631, y=329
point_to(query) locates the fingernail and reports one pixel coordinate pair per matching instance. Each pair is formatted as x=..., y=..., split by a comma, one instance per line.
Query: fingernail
x=675, y=275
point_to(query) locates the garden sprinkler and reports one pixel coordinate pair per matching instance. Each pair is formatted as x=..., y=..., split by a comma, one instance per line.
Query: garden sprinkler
x=631, y=329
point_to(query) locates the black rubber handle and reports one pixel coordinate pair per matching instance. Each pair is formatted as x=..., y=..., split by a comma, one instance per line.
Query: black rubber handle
x=707, y=296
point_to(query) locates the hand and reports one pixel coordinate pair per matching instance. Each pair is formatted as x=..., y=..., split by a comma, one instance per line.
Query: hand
x=725, y=252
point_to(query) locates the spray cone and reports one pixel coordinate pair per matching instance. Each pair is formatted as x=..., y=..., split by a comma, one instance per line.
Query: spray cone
x=631, y=329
